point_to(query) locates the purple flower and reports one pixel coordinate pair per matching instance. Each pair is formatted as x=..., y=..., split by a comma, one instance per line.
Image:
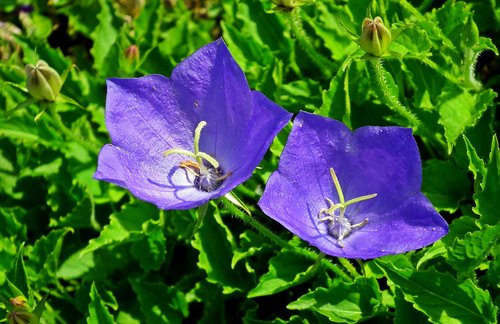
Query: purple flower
x=179, y=142
x=352, y=194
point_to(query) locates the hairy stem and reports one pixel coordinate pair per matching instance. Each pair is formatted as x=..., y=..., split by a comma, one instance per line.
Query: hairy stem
x=349, y=267
x=391, y=100
x=279, y=241
x=318, y=59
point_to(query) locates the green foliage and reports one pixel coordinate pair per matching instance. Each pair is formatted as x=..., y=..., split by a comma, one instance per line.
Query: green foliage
x=286, y=270
x=487, y=202
x=443, y=299
x=215, y=243
x=83, y=250
x=344, y=303
x=97, y=308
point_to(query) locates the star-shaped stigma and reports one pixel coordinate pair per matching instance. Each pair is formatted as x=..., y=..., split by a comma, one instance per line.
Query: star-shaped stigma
x=338, y=225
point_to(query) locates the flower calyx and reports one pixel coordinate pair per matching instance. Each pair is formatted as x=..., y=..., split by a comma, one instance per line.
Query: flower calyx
x=338, y=225
x=205, y=168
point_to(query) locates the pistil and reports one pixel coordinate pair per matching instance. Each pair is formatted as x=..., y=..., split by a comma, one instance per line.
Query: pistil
x=338, y=225
x=208, y=175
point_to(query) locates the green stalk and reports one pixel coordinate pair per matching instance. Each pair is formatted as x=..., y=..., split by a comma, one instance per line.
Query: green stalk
x=279, y=241
x=391, y=100
x=68, y=133
x=394, y=104
x=318, y=59
x=349, y=267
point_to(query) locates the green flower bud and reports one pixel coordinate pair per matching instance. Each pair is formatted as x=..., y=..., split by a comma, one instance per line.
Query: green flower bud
x=287, y=5
x=23, y=317
x=132, y=53
x=19, y=303
x=375, y=37
x=132, y=8
x=43, y=81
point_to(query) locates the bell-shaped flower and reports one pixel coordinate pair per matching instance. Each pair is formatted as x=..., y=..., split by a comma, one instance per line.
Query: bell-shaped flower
x=352, y=194
x=178, y=142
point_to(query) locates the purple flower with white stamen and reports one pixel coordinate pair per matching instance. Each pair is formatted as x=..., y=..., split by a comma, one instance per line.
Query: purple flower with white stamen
x=352, y=194
x=179, y=142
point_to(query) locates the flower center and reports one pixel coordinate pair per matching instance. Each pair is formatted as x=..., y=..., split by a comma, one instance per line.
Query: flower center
x=208, y=175
x=338, y=225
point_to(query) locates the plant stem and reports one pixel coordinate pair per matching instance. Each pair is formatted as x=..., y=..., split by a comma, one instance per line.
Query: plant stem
x=279, y=241
x=349, y=267
x=318, y=59
x=68, y=133
x=393, y=103
x=391, y=100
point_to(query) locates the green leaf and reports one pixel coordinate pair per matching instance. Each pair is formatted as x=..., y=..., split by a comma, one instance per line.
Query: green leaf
x=22, y=128
x=160, y=303
x=40, y=307
x=445, y=184
x=336, y=100
x=98, y=312
x=122, y=225
x=459, y=228
x=459, y=110
x=468, y=253
x=150, y=247
x=82, y=15
x=476, y=164
x=148, y=23
x=8, y=249
x=213, y=299
x=287, y=269
x=215, y=243
x=104, y=37
x=487, y=201
x=436, y=250
x=411, y=41
x=343, y=302
x=76, y=265
x=11, y=222
x=440, y=296
x=44, y=257
x=427, y=84
x=19, y=277
x=328, y=26
x=80, y=217
x=406, y=313
x=297, y=94
x=251, y=244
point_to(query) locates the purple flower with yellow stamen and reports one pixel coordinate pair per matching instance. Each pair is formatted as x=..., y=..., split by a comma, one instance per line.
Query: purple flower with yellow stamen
x=179, y=142
x=352, y=194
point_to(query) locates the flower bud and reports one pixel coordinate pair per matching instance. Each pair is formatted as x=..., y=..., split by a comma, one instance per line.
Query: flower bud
x=287, y=5
x=132, y=53
x=132, y=8
x=22, y=317
x=375, y=37
x=19, y=303
x=43, y=81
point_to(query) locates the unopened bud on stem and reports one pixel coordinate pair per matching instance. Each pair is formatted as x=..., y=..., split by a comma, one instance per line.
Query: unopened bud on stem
x=43, y=82
x=375, y=37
